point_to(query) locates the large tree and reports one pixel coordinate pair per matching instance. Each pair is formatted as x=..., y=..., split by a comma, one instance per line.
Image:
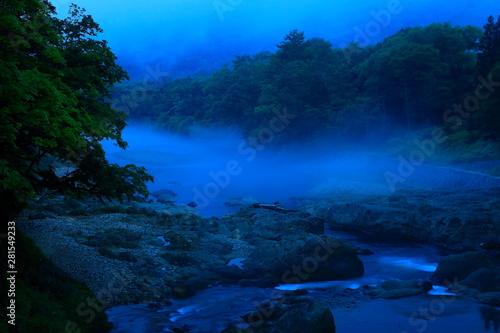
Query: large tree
x=489, y=46
x=486, y=121
x=56, y=79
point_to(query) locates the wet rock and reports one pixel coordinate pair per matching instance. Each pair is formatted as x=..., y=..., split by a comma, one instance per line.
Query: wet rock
x=292, y=314
x=460, y=266
x=483, y=280
x=394, y=289
x=312, y=259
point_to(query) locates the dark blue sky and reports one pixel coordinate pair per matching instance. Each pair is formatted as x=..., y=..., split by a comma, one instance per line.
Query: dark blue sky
x=206, y=33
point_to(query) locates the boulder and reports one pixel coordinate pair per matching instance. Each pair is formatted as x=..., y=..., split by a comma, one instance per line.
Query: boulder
x=393, y=289
x=484, y=280
x=459, y=266
x=291, y=314
x=321, y=258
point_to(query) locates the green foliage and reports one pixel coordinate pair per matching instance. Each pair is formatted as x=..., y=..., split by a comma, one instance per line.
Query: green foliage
x=56, y=83
x=489, y=47
x=419, y=72
x=404, y=83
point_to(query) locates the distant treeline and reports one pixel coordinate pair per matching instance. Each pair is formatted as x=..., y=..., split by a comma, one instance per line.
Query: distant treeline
x=438, y=75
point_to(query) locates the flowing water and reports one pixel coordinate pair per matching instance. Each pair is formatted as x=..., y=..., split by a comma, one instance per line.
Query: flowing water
x=213, y=309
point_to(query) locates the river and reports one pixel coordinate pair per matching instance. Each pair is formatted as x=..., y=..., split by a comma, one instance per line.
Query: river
x=213, y=309
x=212, y=168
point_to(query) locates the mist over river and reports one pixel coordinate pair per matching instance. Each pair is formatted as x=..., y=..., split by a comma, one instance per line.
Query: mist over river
x=212, y=167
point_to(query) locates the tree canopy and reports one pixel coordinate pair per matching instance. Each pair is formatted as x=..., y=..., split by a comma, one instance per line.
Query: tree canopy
x=55, y=108
x=404, y=83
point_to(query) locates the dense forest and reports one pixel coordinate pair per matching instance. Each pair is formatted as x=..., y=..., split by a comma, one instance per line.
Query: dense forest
x=421, y=77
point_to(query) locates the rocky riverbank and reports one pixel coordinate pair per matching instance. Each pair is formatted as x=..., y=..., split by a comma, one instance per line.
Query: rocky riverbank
x=152, y=252
x=458, y=219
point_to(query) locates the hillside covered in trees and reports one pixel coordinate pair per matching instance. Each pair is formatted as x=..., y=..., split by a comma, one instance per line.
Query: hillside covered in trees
x=421, y=77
